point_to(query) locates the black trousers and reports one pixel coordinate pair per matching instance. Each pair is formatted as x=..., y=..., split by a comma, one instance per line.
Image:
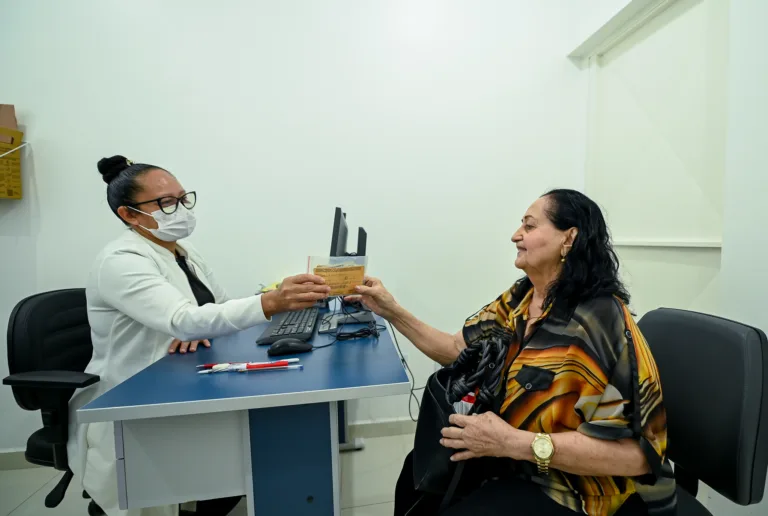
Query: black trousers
x=502, y=497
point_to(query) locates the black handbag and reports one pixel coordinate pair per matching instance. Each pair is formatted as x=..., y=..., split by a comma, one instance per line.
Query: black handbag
x=479, y=367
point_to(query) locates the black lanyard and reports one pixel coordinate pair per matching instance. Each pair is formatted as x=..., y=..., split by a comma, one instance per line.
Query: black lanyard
x=200, y=291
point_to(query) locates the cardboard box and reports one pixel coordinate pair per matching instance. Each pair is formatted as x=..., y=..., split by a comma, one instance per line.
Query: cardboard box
x=10, y=154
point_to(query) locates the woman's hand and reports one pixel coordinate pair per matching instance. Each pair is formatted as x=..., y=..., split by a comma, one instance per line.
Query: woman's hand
x=484, y=435
x=190, y=346
x=376, y=297
x=295, y=293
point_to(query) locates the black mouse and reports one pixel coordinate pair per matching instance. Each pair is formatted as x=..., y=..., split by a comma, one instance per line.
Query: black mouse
x=288, y=346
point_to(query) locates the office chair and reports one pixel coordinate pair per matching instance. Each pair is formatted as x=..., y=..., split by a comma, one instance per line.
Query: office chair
x=714, y=378
x=49, y=345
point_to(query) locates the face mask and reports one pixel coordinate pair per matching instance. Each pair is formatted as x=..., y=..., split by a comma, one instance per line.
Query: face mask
x=170, y=228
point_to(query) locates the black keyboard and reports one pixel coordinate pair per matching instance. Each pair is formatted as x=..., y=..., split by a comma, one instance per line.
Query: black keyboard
x=297, y=325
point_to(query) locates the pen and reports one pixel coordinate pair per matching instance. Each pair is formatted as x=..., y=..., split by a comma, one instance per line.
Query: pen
x=274, y=365
x=220, y=368
x=298, y=367
x=211, y=366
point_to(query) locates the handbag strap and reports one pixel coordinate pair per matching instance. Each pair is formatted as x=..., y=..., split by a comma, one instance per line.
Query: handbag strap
x=452, y=487
x=448, y=496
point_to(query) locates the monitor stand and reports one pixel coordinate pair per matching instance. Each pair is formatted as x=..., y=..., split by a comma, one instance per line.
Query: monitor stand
x=331, y=324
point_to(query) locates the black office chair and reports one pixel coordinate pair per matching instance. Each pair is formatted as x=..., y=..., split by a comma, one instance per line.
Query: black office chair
x=49, y=345
x=714, y=376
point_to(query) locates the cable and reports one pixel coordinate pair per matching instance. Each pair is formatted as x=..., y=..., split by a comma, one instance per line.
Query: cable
x=373, y=330
x=323, y=346
x=412, y=396
x=326, y=320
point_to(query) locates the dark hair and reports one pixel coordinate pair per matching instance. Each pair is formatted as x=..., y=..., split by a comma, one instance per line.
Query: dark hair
x=591, y=268
x=121, y=176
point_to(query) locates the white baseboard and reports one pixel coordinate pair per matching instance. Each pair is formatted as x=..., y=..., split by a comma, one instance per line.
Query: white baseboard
x=14, y=459
x=381, y=428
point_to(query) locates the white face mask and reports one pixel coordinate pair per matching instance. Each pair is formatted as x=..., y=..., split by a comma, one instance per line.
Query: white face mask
x=170, y=228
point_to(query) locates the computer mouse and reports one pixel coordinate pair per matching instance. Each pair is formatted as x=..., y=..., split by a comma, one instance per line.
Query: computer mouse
x=288, y=346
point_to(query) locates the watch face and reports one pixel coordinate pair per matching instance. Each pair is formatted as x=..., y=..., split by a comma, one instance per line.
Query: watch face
x=542, y=448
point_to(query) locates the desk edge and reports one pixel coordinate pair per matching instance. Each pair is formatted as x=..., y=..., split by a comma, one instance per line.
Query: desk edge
x=188, y=408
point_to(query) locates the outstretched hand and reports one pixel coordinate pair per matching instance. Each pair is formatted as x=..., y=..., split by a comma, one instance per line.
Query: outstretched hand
x=295, y=293
x=375, y=296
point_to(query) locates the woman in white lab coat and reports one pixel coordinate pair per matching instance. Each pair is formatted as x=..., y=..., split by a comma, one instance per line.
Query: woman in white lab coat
x=150, y=294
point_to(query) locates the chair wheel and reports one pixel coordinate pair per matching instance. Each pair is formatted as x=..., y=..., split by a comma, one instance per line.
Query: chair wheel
x=94, y=510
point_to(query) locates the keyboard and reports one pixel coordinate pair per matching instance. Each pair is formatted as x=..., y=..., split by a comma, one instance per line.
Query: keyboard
x=297, y=325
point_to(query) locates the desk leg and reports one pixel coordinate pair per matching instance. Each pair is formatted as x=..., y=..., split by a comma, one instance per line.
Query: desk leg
x=295, y=460
x=344, y=443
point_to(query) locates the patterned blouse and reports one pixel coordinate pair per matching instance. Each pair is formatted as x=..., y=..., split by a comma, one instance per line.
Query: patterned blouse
x=587, y=370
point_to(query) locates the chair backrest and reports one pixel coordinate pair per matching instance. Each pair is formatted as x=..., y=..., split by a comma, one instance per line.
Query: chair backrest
x=48, y=332
x=714, y=379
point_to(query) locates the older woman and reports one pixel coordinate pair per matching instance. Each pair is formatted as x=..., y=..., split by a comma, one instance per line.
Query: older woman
x=582, y=428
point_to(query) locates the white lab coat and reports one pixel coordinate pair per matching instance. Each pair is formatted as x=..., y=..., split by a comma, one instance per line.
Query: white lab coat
x=138, y=301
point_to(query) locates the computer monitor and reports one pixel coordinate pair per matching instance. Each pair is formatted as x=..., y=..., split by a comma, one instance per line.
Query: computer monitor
x=339, y=248
x=339, y=236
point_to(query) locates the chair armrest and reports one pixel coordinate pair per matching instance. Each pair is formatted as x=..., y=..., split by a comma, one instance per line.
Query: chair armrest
x=51, y=380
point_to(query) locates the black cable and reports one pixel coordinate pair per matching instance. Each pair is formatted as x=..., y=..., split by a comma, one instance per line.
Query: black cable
x=370, y=331
x=326, y=320
x=330, y=315
x=373, y=330
x=365, y=333
x=323, y=346
x=412, y=396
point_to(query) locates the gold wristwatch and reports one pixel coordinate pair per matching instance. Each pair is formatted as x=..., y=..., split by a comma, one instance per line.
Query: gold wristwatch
x=543, y=451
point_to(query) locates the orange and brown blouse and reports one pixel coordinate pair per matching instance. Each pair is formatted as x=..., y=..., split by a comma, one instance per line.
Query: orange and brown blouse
x=587, y=370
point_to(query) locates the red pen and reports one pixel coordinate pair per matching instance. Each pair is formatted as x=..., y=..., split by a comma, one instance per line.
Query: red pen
x=298, y=367
x=211, y=366
x=245, y=366
x=266, y=365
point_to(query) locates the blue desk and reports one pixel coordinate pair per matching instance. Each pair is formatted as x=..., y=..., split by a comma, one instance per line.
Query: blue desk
x=272, y=436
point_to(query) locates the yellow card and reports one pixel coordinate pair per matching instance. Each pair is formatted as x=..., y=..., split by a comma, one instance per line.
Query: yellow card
x=342, y=279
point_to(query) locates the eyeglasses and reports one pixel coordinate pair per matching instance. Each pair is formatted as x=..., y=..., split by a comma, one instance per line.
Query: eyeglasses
x=170, y=203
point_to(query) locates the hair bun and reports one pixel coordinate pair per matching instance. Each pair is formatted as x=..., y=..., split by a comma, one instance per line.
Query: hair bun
x=110, y=168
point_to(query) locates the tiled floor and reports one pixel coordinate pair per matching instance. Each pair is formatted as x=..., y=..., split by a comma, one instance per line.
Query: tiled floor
x=367, y=484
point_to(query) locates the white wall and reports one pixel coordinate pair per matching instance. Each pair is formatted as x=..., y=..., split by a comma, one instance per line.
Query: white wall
x=658, y=143
x=744, y=281
x=433, y=124
x=656, y=153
